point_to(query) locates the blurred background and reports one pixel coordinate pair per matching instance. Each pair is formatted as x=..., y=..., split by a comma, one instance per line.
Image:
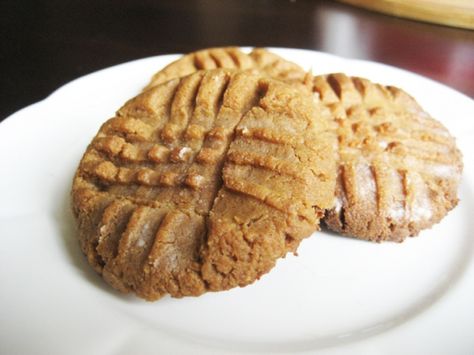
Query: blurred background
x=45, y=44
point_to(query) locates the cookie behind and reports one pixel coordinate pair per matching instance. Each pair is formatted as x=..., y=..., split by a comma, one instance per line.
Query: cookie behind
x=399, y=169
x=230, y=58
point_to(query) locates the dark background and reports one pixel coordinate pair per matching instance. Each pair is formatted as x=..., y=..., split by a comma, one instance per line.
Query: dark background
x=45, y=44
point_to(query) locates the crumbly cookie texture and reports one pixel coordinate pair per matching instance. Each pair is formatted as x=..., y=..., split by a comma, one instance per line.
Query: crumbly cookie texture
x=399, y=169
x=230, y=58
x=202, y=183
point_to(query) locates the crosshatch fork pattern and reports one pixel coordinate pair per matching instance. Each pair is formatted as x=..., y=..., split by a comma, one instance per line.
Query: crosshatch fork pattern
x=230, y=58
x=165, y=192
x=399, y=169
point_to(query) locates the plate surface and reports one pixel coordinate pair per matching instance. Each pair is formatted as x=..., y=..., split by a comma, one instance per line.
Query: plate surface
x=338, y=296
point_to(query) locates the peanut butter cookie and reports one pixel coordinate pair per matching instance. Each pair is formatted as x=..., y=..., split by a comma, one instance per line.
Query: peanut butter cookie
x=202, y=183
x=399, y=169
x=230, y=58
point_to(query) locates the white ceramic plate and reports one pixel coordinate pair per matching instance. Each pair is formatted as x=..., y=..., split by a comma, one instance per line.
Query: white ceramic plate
x=339, y=296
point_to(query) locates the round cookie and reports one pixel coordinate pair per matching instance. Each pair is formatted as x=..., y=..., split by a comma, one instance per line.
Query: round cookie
x=230, y=58
x=399, y=169
x=202, y=183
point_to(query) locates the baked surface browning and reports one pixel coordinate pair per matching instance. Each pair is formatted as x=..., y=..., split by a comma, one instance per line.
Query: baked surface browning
x=202, y=183
x=399, y=169
x=230, y=58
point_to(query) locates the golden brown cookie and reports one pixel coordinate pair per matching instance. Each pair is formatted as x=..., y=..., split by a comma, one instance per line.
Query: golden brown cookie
x=231, y=58
x=202, y=183
x=399, y=169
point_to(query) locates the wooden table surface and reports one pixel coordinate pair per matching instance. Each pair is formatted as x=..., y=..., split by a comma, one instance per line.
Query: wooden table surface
x=45, y=44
